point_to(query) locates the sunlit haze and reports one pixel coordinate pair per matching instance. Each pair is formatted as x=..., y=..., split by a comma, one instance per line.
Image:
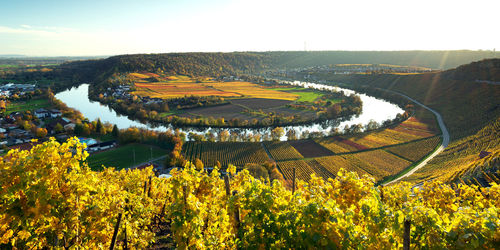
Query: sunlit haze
x=92, y=27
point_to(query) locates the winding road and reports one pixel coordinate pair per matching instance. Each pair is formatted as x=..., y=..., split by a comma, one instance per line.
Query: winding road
x=445, y=135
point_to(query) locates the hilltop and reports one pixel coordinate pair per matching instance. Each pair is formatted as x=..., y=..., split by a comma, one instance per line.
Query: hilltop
x=487, y=70
x=225, y=64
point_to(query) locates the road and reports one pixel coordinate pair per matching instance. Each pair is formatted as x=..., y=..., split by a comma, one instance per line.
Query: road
x=445, y=135
x=152, y=160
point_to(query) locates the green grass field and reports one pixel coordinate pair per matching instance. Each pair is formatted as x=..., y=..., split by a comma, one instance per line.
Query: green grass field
x=123, y=157
x=8, y=66
x=27, y=105
x=307, y=96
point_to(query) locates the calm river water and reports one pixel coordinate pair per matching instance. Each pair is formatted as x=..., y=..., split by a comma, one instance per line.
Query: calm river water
x=373, y=109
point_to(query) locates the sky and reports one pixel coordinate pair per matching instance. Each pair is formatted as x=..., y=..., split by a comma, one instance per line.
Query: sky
x=110, y=27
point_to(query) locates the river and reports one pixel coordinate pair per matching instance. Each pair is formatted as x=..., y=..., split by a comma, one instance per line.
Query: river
x=373, y=109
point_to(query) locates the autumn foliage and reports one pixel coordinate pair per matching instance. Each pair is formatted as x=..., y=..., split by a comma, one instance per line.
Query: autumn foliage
x=50, y=199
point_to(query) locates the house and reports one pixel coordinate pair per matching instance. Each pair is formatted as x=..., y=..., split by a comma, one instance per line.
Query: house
x=41, y=113
x=18, y=133
x=10, y=126
x=101, y=146
x=52, y=125
x=55, y=113
x=16, y=115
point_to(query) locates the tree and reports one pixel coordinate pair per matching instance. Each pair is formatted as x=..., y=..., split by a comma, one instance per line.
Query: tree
x=197, y=137
x=26, y=125
x=223, y=135
x=198, y=164
x=372, y=125
x=41, y=132
x=334, y=111
x=210, y=136
x=356, y=128
x=257, y=137
x=291, y=134
x=115, y=132
x=277, y=133
x=233, y=136
x=2, y=105
x=58, y=128
x=98, y=126
x=257, y=171
x=86, y=129
x=78, y=129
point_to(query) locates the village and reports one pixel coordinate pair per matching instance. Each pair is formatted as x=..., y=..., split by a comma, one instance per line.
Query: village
x=26, y=114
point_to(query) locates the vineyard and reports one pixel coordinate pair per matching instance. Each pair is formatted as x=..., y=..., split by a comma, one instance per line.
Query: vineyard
x=409, y=130
x=51, y=199
x=334, y=163
x=463, y=155
x=414, y=151
x=281, y=151
x=378, y=163
x=302, y=170
x=378, y=154
x=235, y=153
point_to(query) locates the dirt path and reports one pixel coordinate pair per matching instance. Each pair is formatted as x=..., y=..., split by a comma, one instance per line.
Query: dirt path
x=445, y=135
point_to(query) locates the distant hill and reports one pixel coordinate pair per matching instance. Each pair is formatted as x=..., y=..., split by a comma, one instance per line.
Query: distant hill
x=430, y=59
x=11, y=56
x=216, y=64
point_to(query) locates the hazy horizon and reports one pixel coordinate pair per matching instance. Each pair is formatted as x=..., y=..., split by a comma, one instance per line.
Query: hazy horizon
x=106, y=28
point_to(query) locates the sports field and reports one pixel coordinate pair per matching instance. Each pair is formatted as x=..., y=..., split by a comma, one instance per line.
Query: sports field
x=123, y=157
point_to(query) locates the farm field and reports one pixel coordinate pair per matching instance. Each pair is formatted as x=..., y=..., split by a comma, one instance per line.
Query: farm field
x=257, y=103
x=253, y=90
x=123, y=157
x=180, y=86
x=167, y=90
x=236, y=109
x=227, y=111
x=236, y=153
